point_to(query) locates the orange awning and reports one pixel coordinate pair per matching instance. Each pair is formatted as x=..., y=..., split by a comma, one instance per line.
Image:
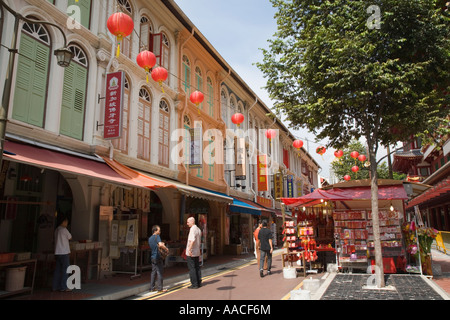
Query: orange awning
x=63, y=162
x=137, y=177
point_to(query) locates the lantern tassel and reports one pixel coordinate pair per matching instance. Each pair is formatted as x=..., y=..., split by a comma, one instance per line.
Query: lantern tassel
x=162, y=88
x=147, y=77
x=118, y=50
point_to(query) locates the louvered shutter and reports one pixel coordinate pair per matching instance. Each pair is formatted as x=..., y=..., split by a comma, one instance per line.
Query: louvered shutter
x=73, y=102
x=31, y=83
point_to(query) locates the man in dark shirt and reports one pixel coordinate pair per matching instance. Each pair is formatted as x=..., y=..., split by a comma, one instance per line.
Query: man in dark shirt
x=266, y=247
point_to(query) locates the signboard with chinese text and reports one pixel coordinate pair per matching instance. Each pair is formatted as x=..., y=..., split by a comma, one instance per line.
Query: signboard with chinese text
x=263, y=184
x=290, y=186
x=114, y=105
x=278, y=185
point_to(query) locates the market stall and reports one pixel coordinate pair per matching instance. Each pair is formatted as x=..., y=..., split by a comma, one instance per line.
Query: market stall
x=346, y=208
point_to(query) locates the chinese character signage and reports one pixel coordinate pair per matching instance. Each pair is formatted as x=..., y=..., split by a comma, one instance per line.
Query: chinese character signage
x=278, y=182
x=263, y=184
x=114, y=105
x=290, y=186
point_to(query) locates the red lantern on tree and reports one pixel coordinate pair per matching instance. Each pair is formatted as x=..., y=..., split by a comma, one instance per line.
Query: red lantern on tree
x=160, y=75
x=339, y=154
x=237, y=118
x=146, y=60
x=347, y=178
x=355, y=169
x=362, y=158
x=271, y=133
x=120, y=25
x=354, y=154
x=298, y=144
x=321, y=150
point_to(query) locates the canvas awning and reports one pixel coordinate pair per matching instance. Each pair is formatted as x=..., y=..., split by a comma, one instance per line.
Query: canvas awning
x=148, y=180
x=437, y=192
x=82, y=165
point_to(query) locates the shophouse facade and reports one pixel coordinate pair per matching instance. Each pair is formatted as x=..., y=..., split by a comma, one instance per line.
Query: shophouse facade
x=58, y=161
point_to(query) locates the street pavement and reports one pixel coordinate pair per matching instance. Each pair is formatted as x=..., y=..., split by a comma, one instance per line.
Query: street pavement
x=229, y=278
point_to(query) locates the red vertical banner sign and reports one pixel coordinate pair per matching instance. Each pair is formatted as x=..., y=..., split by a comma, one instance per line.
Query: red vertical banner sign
x=115, y=83
x=263, y=184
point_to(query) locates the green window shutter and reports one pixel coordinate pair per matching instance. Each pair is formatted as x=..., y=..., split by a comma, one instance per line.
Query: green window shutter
x=211, y=100
x=73, y=101
x=31, y=82
x=85, y=11
x=51, y=1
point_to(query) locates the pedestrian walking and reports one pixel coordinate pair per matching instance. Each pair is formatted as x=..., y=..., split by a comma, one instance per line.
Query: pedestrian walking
x=266, y=248
x=193, y=254
x=62, y=256
x=257, y=249
x=156, y=260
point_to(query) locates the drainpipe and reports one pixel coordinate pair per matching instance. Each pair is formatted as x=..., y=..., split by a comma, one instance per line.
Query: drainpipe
x=183, y=112
x=248, y=123
x=224, y=125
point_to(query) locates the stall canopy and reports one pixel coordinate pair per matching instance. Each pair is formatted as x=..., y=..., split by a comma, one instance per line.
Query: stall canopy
x=385, y=192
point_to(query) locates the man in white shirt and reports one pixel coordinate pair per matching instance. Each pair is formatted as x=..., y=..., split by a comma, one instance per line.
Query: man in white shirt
x=62, y=256
x=193, y=253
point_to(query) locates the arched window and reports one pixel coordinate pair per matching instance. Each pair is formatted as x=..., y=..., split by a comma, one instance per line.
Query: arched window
x=186, y=75
x=73, y=107
x=210, y=96
x=30, y=97
x=199, y=83
x=122, y=143
x=144, y=34
x=125, y=47
x=161, y=48
x=144, y=125
x=164, y=134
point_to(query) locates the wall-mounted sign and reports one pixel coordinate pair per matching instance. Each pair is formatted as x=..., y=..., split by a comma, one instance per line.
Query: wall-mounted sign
x=114, y=105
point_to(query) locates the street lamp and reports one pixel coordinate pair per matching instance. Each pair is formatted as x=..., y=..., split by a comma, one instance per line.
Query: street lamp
x=63, y=55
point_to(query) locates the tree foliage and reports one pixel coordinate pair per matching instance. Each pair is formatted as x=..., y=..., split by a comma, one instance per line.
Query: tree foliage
x=327, y=71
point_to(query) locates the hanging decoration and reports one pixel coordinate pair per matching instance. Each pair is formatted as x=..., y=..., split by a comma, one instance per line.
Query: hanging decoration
x=354, y=154
x=362, y=158
x=120, y=25
x=197, y=98
x=160, y=75
x=271, y=133
x=355, y=169
x=146, y=60
x=339, y=154
x=347, y=178
x=237, y=119
x=321, y=150
x=298, y=144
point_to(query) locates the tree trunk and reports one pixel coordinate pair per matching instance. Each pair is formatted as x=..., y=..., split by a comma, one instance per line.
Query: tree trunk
x=379, y=269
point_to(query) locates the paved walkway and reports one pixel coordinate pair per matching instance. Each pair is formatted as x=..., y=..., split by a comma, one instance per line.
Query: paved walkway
x=333, y=285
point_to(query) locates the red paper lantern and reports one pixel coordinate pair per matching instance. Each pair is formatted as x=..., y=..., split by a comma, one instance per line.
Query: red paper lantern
x=355, y=169
x=146, y=60
x=362, y=158
x=237, y=118
x=347, y=178
x=120, y=25
x=160, y=75
x=321, y=150
x=197, y=97
x=271, y=133
x=339, y=154
x=298, y=144
x=354, y=154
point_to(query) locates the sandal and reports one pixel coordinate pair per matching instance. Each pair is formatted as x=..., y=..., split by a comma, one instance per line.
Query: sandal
x=162, y=291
